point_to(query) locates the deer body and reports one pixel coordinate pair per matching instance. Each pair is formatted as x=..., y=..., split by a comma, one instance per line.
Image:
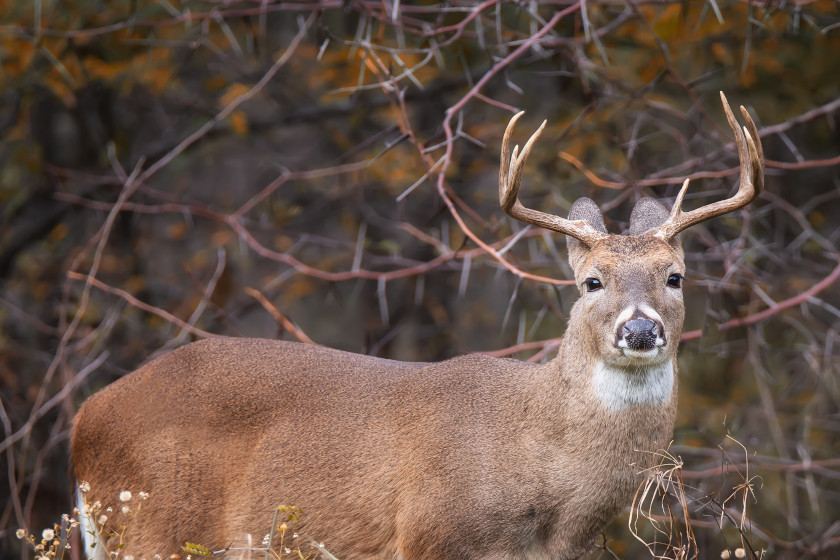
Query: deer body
x=475, y=457
x=375, y=477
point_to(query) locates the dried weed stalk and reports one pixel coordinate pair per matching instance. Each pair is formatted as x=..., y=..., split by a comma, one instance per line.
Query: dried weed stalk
x=663, y=502
x=660, y=500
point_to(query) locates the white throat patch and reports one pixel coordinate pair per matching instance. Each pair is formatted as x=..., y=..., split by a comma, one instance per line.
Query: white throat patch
x=619, y=389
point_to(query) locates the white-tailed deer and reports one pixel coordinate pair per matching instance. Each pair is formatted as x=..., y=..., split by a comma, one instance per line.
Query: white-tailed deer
x=475, y=457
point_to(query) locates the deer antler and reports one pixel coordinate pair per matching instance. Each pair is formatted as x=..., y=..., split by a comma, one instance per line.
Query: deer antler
x=510, y=175
x=751, y=156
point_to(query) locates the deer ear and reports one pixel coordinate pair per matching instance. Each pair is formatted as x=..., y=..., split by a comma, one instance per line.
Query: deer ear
x=648, y=214
x=583, y=209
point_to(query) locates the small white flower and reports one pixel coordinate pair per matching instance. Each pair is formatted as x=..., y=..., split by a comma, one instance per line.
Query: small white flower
x=102, y=519
x=287, y=550
x=20, y=533
x=740, y=553
x=48, y=534
x=725, y=554
x=129, y=557
x=126, y=510
x=294, y=535
x=84, y=487
x=125, y=496
x=143, y=495
x=265, y=539
x=320, y=545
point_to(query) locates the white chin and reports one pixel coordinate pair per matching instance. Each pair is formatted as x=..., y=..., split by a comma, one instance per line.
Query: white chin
x=643, y=354
x=636, y=358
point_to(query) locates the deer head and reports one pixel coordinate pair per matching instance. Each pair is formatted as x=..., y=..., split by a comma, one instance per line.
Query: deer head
x=630, y=313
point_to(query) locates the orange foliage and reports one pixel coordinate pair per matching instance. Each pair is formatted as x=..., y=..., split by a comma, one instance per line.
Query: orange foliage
x=239, y=122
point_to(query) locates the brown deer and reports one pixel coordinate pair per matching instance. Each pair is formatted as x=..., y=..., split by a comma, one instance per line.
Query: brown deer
x=474, y=457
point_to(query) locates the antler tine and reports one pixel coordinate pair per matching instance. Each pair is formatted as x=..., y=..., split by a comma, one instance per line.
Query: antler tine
x=507, y=195
x=510, y=177
x=751, y=156
x=756, y=152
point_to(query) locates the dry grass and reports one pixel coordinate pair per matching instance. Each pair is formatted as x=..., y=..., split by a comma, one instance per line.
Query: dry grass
x=282, y=542
x=665, y=511
x=54, y=541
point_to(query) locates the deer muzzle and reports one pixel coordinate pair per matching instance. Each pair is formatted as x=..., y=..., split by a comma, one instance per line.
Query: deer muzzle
x=640, y=333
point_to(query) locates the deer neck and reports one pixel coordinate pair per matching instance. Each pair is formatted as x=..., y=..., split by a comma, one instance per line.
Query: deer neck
x=614, y=390
x=586, y=394
x=624, y=417
x=619, y=390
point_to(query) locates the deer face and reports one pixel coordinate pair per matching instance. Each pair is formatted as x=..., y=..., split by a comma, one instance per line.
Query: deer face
x=631, y=303
x=631, y=306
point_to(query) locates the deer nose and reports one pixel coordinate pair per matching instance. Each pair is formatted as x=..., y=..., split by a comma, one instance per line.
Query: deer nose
x=640, y=334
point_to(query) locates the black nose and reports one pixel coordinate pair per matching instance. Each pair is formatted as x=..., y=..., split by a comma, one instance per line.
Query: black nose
x=640, y=334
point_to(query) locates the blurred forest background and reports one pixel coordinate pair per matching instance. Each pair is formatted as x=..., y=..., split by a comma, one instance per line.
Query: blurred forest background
x=178, y=169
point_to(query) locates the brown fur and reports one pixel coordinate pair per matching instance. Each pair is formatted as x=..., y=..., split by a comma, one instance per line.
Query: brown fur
x=474, y=457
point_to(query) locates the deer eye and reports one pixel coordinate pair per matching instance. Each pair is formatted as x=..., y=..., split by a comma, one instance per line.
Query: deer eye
x=675, y=280
x=592, y=284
